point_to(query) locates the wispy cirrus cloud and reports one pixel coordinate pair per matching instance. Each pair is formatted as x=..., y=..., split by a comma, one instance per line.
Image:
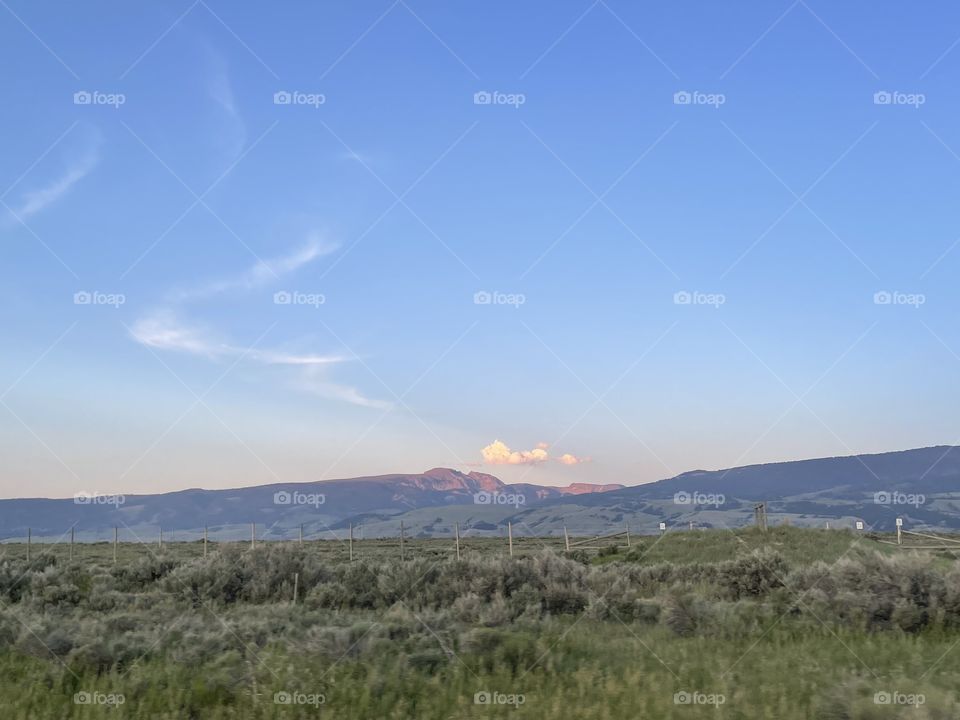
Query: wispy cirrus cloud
x=163, y=331
x=314, y=382
x=220, y=89
x=263, y=272
x=166, y=329
x=77, y=168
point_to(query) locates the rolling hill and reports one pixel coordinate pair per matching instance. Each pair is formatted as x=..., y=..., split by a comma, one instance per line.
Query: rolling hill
x=921, y=486
x=279, y=509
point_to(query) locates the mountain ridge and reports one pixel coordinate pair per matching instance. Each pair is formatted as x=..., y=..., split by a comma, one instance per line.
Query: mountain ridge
x=838, y=489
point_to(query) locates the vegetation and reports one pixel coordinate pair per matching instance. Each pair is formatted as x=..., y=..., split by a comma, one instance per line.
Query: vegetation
x=787, y=624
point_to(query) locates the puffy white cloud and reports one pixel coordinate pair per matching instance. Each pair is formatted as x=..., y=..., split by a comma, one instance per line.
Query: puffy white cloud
x=497, y=453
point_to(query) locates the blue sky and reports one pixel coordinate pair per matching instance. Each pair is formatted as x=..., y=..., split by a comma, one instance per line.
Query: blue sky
x=763, y=273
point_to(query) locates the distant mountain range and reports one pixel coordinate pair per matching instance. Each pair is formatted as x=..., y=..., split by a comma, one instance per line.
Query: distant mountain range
x=325, y=507
x=921, y=486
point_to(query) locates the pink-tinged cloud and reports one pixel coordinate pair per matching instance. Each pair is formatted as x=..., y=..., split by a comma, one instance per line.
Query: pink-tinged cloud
x=497, y=453
x=568, y=459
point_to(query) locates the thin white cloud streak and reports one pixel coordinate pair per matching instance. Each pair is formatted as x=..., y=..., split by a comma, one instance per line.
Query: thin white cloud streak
x=263, y=272
x=220, y=89
x=163, y=331
x=313, y=382
x=38, y=200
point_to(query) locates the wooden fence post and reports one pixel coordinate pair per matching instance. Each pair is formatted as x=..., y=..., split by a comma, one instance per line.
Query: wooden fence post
x=457, y=535
x=71, y=543
x=301, y=534
x=204, y=540
x=296, y=583
x=401, y=540
x=160, y=539
x=627, y=529
x=566, y=538
x=351, y=542
x=510, y=536
x=253, y=535
x=116, y=534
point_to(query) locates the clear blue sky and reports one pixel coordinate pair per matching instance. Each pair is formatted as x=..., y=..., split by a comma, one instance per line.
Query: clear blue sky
x=782, y=200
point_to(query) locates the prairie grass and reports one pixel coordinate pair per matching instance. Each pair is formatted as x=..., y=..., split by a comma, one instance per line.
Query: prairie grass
x=791, y=624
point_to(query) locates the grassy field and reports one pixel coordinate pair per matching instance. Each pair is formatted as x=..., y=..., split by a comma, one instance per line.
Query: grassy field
x=790, y=623
x=673, y=546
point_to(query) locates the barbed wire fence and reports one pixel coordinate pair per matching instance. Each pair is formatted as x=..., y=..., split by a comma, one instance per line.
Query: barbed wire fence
x=354, y=541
